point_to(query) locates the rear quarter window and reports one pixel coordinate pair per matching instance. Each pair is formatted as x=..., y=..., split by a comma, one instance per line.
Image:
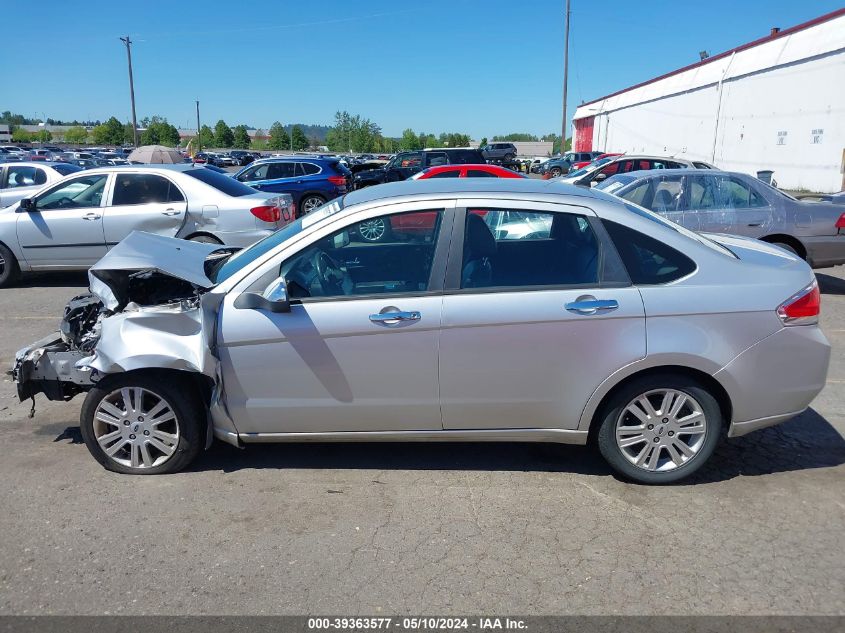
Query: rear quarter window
x=649, y=261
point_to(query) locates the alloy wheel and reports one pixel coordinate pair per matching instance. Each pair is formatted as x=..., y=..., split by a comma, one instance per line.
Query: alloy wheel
x=310, y=204
x=136, y=428
x=661, y=430
x=372, y=230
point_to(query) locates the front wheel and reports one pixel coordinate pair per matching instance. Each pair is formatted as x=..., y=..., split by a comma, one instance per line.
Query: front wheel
x=309, y=203
x=204, y=239
x=143, y=424
x=659, y=429
x=9, y=270
x=555, y=172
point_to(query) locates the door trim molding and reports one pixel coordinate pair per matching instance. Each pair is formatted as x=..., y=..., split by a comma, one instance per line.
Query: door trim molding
x=558, y=436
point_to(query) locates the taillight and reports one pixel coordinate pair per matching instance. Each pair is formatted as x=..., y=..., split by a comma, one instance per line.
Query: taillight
x=840, y=223
x=802, y=308
x=267, y=213
x=339, y=181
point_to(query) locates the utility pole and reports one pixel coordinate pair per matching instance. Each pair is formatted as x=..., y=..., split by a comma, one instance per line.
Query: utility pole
x=128, y=43
x=199, y=135
x=565, y=77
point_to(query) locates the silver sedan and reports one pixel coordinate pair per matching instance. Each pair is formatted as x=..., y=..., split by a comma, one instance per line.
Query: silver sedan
x=71, y=224
x=614, y=324
x=728, y=202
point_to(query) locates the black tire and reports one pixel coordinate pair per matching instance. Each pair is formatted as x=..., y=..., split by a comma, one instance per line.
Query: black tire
x=178, y=394
x=613, y=410
x=10, y=272
x=508, y=158
x=204, y=239
x=555, y=172
x=309, y=203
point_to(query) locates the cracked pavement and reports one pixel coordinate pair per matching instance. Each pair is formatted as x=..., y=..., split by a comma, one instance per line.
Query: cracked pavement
x=418, y=528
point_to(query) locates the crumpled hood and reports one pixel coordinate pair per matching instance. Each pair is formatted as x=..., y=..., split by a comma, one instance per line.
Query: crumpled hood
x=139, y=251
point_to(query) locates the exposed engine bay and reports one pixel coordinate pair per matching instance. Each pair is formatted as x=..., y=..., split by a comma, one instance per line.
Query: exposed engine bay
x=145, y=311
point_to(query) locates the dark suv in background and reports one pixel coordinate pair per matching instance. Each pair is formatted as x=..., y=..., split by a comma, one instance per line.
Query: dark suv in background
x=499, y=151
x=311, y=181
x=406, y=164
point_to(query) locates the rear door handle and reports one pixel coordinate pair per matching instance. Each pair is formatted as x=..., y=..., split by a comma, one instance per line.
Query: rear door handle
x=171, y=212
x=755, y=224
x=91, y=216
x=591, y=305
x=389, y=318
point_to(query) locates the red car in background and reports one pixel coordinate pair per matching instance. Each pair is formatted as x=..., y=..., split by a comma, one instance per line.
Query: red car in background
x=421, y=223
x=584, y=163
x=466, y=171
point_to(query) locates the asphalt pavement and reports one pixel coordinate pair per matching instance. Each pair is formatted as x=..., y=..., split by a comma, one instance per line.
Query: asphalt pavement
x=386, y=529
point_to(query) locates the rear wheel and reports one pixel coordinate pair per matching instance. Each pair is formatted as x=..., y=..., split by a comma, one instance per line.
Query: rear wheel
x=144, y=424
x=9, y=269
x=309, y=203
x=788, y=247
x=659, y=429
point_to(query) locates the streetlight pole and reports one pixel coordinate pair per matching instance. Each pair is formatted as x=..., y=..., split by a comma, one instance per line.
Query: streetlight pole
x=565, y=77
x=128, y=43
x=199, y=135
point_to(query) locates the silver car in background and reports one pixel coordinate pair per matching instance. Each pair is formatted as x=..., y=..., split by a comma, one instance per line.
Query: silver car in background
x=73, y=223
x=614, y=324
x=23, y=179
x=602, y=169
x=739, y=204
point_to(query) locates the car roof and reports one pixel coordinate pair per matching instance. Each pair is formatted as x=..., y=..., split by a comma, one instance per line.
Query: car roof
x=178, y=167
x=646, y=173
x=34, y=163
x=460, y=186
x=280, y=159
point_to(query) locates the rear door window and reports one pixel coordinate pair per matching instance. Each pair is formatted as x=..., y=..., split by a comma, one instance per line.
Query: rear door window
x=436, y=158
x=479, y=173
x=281, y=170
x=130, y=189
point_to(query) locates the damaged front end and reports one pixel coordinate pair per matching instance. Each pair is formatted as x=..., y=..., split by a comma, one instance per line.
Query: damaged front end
x=148, y=309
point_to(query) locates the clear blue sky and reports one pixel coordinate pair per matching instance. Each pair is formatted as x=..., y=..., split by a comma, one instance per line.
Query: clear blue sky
x=482, y=67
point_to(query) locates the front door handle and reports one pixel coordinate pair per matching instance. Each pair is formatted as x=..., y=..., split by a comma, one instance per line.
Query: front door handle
x=171, y=212
x=755, y=224
x=389, y=318
x=91, y=216
x=590, y=305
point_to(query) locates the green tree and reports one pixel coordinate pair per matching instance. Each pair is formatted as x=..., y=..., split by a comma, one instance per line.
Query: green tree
x=298, y=139
x=483, y=141
x=409, y=140
x=207, y=137
x=240, y=137
x=109, y=133
x=76, y=135
x=42, y=136
x=279, y=138
x=257, y=142
x=223, y=136
x=517, y=136
x=160, y=132
x=20, y=135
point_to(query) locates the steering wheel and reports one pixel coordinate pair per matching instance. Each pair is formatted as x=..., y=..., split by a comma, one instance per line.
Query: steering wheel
x=63, y=203
x=331, y=276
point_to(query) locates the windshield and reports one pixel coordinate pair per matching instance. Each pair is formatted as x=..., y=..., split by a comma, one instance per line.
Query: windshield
x=221, y=182
x=659, y=219
x=588, y=168
x=243, y=258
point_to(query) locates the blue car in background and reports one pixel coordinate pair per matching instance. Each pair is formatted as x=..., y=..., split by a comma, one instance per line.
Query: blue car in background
x=311, y=181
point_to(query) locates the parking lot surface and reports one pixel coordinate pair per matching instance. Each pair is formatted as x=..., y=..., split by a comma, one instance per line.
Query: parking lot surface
x=416, y=529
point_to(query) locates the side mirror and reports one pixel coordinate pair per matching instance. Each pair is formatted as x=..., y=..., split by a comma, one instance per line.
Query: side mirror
x=273, y=299
x=27, y=204
x=600, y=177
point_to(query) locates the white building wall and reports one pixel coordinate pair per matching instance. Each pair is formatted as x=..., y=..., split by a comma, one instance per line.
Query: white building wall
x=760, y=108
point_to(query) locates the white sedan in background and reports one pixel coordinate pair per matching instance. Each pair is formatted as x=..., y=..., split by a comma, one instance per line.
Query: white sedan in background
x=73, y=223
x=21, y=180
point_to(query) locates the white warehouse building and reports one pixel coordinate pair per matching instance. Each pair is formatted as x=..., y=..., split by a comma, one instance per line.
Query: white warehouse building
x=777, y=103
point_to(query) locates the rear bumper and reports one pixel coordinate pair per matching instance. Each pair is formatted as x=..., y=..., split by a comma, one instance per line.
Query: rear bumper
x=776, y=378
x=825, y=250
